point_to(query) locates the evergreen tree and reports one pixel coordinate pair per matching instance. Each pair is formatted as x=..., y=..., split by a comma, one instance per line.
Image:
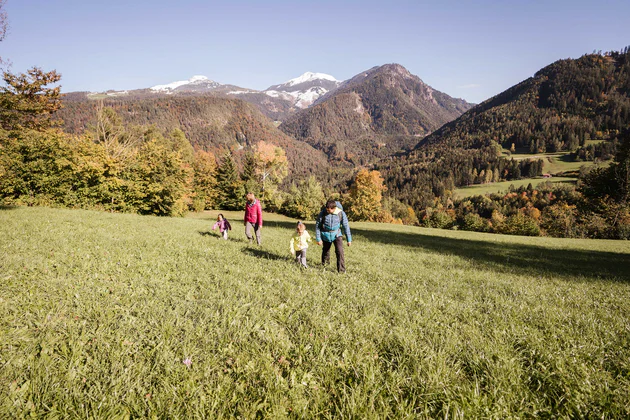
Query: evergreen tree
x=230, y=190
x=251, y=169
x=305, y=199
x=25, y=102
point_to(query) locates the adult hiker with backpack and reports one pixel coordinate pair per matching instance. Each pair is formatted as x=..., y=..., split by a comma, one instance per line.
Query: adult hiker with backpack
x=331, y=220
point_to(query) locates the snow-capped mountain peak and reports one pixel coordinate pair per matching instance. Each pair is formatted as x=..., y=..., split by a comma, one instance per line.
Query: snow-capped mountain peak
x=309, y=77
x=305, y=89
x=201, y=81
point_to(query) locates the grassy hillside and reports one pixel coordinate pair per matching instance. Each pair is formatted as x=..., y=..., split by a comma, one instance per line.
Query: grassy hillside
x=99, y=312
x=501, y=187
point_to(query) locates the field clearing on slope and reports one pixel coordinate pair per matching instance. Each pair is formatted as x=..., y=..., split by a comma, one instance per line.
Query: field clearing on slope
x=114, y=315
x=504, y=186
x=558, y=162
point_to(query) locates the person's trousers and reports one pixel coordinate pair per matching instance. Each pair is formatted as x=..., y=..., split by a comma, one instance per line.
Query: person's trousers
x=224, y=234
x=248, y=231
x=341, y=263
x=300, y=257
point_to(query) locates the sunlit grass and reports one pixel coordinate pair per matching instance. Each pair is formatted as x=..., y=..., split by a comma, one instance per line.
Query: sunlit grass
x=99, y=312
x=504, y=186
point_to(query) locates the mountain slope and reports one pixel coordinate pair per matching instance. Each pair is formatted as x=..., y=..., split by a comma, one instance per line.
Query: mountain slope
x=377, y=112
x=559, y=108
x=209, y=122
x=572, y=105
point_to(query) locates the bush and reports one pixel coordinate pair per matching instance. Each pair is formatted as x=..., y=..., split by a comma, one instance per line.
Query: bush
x=440, y=219
x=474, y=222
x=520, y=224
x=559, y=220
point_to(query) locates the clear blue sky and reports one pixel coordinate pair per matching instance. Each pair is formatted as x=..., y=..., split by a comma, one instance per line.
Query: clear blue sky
x=467, y=49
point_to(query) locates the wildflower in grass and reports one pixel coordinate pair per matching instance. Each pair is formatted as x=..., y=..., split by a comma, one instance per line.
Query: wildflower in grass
x=187, y=361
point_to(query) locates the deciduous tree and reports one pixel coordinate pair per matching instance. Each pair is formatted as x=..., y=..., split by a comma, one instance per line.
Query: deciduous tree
x=366, y=195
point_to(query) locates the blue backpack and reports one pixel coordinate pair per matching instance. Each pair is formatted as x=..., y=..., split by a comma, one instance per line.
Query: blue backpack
x=331, y=232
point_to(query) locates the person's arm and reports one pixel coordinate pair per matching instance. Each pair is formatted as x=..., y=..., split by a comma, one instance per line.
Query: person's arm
x=291, y=248
x=215, y=226
x=346, y=227
x=318, y=233
x=259, y=214
x=229, y=226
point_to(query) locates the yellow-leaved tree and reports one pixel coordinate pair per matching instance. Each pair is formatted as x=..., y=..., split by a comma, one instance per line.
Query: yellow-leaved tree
x=366, y=195
x=273, y=169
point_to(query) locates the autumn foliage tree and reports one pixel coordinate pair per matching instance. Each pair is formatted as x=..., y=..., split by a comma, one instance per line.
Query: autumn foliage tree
x=366, y=194
x=273, y=168
x=204, y=189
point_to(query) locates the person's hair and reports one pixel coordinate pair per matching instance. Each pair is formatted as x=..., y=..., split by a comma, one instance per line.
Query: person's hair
x=297, y=227
x=221, y=216
x=331, y=204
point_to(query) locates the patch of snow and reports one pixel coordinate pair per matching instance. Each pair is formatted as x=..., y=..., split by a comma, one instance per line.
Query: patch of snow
x=240, y=92
x=305, y=99
x=308, y=77
x=301, y=99
x=175, y=85
x=288, y=96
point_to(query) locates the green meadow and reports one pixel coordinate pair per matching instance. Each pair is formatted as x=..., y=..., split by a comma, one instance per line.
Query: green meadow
x=504, y=186
x=124, y=316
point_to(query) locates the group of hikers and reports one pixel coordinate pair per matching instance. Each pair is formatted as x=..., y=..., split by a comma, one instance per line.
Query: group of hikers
x=330, y=223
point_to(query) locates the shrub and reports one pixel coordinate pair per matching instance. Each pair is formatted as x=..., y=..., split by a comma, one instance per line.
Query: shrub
x=474, y=222
x=520, y=224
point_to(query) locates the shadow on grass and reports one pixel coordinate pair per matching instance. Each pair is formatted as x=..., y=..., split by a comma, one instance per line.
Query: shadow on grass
x=261, y=253
x=507, y=257
x=218, y=236
x=3, y=207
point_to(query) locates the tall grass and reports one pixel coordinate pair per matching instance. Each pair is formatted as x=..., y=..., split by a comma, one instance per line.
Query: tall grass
x=99, y=313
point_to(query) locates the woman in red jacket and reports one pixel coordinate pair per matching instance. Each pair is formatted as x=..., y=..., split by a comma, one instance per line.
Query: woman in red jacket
x=253, y=218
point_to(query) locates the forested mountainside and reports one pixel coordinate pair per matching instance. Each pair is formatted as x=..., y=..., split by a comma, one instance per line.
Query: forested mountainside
x=376, y=113
x=277, y=108
x=210, y=123
x=560, y=108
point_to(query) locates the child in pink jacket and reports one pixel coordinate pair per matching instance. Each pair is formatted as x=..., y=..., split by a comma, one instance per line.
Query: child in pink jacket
x=223, y=225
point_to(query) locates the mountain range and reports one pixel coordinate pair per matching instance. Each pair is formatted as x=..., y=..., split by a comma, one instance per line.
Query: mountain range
x=380, y=111
x=276, y=102
x=425, y=142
